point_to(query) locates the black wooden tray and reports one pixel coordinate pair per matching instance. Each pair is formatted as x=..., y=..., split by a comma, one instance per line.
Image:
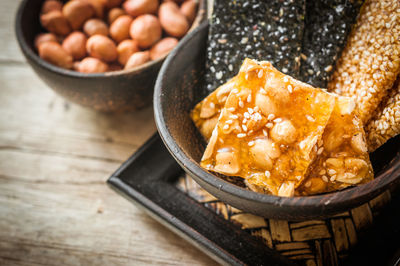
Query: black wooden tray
x=148, y=178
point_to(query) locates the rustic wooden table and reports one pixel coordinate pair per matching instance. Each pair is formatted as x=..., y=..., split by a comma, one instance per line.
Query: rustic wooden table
x=55, y=207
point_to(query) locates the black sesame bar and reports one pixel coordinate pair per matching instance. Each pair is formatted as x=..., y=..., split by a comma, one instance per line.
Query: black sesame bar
x=261, y=30
x=327, y=25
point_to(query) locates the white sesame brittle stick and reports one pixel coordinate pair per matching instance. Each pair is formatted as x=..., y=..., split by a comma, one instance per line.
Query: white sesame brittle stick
x=386, y=123
x=370, y=62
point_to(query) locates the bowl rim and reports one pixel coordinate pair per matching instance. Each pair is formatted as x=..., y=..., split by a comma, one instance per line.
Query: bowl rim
x=335, y=201
x=32, y=55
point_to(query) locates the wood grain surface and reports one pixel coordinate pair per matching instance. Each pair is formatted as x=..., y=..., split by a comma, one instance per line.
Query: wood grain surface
x=55, y=208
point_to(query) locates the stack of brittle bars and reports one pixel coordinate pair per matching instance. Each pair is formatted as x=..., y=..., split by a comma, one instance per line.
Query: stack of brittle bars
x=286, y=137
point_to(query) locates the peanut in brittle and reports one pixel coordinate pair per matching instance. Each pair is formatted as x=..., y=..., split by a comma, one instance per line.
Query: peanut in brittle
x=205, y=114
x=267, y=129
x=342, y=154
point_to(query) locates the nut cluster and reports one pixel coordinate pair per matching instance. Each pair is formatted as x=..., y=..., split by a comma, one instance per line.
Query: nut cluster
x=92, y=36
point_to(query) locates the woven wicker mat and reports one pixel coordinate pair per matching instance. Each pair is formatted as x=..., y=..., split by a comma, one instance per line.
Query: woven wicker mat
x=308, y=242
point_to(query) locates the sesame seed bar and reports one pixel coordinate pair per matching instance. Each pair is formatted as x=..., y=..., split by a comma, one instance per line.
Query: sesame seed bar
x=268, y=128
x=262, y=30
x=342, y=156
x=370, y=62
x=386, y=123
x=327, y=26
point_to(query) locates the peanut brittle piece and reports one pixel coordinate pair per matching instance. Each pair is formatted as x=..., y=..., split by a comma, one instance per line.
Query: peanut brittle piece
x=342, y=154
x=205, y=114
x=267, y=129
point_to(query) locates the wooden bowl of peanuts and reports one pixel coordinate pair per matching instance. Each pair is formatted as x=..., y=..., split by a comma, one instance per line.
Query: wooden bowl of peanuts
x=103, y=54
x=180, y=86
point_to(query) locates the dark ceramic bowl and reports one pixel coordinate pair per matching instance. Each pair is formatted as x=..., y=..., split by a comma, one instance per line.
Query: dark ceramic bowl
x=111, y=91
x=180, y=86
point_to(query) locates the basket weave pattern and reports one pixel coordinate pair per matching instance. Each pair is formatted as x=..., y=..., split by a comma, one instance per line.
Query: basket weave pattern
x=311, y=242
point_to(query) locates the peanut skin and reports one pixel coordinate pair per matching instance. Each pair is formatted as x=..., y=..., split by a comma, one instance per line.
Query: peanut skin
x=53, y=53
x=188, y=9
x=114, y=14
x=113, y=3
x=102, y=47
x=172, y=20
x=162, y=47
x=55, y=22
x=44, y=37
x=75, y=45
x=146, y=30
x=51, y=5
x=119, y=30
x=175, y=1
x=95, y=26
x=75, y=65
x=137, y=59
x=140, y=7
x=98, y=6
x=77, y=12
x=92, y=65
x=125, y=49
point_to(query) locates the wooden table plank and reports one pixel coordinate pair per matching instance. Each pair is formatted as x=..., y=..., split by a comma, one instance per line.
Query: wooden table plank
x=55, y=207
x=8, y=44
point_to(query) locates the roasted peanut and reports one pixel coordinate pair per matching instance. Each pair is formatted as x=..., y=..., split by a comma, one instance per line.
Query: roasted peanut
x=119, y=30
x=211, y=145
x=333, y=140
x=208, y=126
x=92, y=65
x=146, y=30
x=137, y=59
x=162, y=47
x=188, y=9
x=286, y=189
x=53, y=53
x=176, y=1
x=75, y=45
x=265, y=103
x=102, y=47
x=55, y=22
x=115, y=13
x=357, y=166
x=358, y=143
x=140, y=7
x=44, y=37
x=75, y=65
x=335, y=163
x=95, y=26
x=51, y=5
x=172, y=20
x=316, y=185
x=98, y=7
x=77, y=12
x=207, y=108
x=284, y=132
x=113, y=3
x=125, y=49
x=263, y=151
x=227, y=163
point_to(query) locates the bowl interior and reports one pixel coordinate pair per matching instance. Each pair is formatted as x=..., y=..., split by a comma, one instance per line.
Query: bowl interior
x=180, y=86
